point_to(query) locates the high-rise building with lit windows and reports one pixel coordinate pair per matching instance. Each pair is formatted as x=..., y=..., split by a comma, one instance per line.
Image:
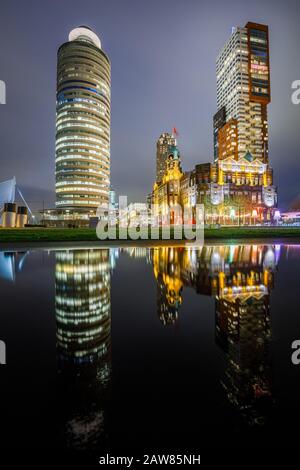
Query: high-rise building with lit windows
x=237, y=188
x=82, y=125
x=243, y=87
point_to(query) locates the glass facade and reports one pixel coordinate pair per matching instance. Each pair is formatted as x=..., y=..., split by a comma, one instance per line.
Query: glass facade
x=82, y=123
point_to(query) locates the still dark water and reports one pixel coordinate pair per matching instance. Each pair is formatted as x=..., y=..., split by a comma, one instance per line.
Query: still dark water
x=150, y=348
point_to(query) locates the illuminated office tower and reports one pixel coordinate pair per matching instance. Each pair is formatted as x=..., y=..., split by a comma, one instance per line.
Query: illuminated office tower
x=83, y=334
x=240, y=185
x=243, y=90
x=163, y=144
x=82, y=125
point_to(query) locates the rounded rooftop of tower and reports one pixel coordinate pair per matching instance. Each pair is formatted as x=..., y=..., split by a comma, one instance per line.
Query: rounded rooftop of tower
x=84, y=33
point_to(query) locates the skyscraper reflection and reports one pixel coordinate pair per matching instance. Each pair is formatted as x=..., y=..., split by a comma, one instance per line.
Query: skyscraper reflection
x=243, y=330
x=240, y=278
x=82, y=307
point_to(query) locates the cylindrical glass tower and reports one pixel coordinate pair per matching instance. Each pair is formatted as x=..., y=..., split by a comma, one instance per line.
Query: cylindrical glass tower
x=82, y=125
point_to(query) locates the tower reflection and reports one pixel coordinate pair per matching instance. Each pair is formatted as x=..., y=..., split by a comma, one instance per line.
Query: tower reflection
x=167, y=271
x=243, y=329
x=83, y=317
x=240, y=278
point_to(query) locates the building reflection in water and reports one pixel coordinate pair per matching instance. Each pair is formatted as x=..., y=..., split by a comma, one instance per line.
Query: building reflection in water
x=83, y=317
x=167, y=271
x=240, y=279
x=11, y=262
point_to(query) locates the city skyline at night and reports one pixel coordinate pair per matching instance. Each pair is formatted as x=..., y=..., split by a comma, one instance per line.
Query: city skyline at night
x=237, y=187
x=149, y=231
x=181, y=99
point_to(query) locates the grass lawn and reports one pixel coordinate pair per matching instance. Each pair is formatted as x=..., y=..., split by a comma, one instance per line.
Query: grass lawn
x=253, y=232
x=85, y=234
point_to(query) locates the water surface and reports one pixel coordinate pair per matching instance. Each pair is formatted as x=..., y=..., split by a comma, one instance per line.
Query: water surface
x=150, y=348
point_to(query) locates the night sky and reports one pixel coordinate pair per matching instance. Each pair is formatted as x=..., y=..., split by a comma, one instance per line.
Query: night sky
x=163, y=56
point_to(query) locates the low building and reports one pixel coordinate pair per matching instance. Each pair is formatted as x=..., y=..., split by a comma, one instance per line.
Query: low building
x=290, y=218
x=236, y=191
x=66, y=218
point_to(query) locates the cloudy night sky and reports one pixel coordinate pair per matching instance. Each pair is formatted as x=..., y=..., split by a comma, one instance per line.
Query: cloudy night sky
x=163, y=56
